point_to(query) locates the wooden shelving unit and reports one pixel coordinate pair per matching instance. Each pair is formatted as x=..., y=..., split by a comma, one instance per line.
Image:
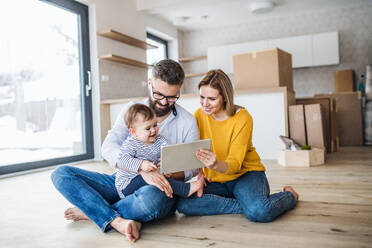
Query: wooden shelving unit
x=189, y=75
x=122, y=60
x=115, y=35
x=189, y=59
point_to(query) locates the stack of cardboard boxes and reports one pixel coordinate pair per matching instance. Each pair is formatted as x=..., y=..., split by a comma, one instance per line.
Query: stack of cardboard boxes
x=348, y=108
x=324, y=121
x=307, y=122
x=342, y=111
x=323, y=134
x=312, y=122
x=273, y=68
x=341, y=114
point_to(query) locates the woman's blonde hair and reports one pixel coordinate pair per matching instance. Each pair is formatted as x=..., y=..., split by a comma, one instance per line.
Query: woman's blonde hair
x=218, y=80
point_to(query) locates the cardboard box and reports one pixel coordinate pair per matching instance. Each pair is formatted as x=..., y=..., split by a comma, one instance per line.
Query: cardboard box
x=328, y=106
x=349, y=117
x=315, y=126
x=343, y=81
x=263, y=69
x=335, y=141
x=297, y=130
x=302, y=158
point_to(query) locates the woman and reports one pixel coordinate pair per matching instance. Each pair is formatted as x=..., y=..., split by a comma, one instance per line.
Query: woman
x=236, y=178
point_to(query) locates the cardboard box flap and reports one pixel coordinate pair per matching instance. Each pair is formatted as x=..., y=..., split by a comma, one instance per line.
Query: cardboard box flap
x=327, y=108
x=297, y=128
x=315, y=126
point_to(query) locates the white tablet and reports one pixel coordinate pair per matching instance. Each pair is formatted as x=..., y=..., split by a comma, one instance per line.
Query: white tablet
x=181, y=157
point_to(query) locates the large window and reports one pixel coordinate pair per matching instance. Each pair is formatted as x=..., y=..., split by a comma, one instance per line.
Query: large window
x=156, y=54
x=45, y=98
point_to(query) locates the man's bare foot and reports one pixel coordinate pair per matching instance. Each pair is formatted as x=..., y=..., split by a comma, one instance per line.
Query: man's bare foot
x=130, y=228
x=197, y=186
x=291, y=189
x=75, y=214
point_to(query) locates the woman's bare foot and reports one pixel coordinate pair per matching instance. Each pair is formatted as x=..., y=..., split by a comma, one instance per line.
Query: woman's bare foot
x=130, y=228
x=197, y=186
x=75, y=214
x=291, y=189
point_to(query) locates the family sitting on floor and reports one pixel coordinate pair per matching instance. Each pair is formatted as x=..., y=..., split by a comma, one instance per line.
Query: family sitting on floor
x=232, y=181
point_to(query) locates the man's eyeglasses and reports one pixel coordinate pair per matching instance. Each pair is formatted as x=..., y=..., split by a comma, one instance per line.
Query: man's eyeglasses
x=160, y=96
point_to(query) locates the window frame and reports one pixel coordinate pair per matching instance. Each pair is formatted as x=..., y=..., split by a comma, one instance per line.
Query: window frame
x=86, y=100
x=160, y=40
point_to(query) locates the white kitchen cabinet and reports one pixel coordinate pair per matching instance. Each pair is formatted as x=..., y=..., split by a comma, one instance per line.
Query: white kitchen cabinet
x=306, y=50
x=222, y=56
x=325, y=49
x=300, y=47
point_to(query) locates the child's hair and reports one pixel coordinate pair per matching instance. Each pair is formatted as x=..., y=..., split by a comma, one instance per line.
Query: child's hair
x=136, y=109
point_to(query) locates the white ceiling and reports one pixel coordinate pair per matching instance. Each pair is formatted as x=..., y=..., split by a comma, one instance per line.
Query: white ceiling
x=232, y=12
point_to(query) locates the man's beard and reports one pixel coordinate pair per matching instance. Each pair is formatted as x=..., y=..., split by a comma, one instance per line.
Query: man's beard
x=160, y=112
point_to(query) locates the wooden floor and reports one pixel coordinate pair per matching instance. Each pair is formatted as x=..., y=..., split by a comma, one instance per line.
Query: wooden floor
x=335, y=210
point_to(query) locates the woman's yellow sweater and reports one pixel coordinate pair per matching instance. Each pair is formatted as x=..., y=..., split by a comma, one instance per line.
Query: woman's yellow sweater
x=231, y=142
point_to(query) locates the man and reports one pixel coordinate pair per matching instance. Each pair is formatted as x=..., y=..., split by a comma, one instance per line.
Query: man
x=94, y=194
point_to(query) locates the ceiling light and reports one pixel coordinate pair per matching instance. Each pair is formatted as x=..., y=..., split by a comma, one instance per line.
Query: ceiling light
x=261, y=7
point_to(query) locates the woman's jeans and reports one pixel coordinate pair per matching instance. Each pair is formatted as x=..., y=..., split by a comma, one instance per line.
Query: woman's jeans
x=248, y=194
x=95, y=194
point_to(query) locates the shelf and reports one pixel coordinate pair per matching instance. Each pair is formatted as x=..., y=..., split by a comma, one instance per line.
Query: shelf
x=194, y=75
x=115, y=35
x=189, y=59
x=122, y=60
x=122, y=100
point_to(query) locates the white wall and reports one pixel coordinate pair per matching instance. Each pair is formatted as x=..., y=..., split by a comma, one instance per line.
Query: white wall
x=353, y=24
x=166, y=31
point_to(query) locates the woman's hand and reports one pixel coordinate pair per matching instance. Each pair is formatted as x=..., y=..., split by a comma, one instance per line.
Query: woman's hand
x=208, y=158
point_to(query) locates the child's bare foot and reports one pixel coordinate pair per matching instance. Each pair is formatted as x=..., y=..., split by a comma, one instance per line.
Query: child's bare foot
x=130, y=228
x=291, y=189
x=75, y=214
x=197, y=186
x=200, y=191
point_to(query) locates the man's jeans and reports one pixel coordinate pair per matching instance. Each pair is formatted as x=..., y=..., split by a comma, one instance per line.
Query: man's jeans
x=248, y=194
x=95, y=194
